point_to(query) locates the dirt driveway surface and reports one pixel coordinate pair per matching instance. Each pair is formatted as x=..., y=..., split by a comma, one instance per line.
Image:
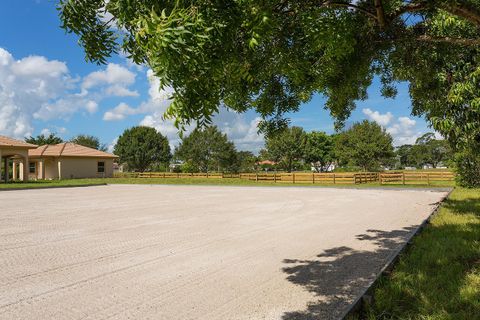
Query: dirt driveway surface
x=197, y=252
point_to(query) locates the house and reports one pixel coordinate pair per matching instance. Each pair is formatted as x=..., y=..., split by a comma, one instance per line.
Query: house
x=68, y=160
x=15, y=152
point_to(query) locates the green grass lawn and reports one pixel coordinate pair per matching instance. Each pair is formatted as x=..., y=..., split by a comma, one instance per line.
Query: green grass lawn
x=439, y=275
x=50, y=183
x=244, y=182
x=200, y=181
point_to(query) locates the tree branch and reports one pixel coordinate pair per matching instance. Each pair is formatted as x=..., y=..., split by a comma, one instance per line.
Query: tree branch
x=412, y=7
x=464, y=10
x=331, y=4
x=460, y=41
x=460, y=9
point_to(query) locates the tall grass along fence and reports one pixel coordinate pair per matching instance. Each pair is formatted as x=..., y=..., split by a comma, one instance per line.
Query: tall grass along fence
x=309, y=178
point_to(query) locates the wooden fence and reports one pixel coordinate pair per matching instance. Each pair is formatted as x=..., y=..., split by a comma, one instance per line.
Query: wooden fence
x=413, y=177
x=295, y=177
x=393, y=177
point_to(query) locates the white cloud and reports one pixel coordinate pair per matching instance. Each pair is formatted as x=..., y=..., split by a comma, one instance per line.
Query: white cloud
x=114, y=79
x=241, y=130
x=238, y=127
x=26, y=86
x=113, y=74
x=111, y=145
x=35, y=88
x=406, y=122
x=35, y=66
x=404, y=131
x=64, y=108
x=53, y=129
x=46, y=132
x=119, y=91
x=119, y=112
x=381, y=119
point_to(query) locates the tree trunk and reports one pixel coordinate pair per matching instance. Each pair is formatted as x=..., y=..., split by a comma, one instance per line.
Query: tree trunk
x=380, y=13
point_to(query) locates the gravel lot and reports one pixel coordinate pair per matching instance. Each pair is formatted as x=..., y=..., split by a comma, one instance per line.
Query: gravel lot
x=197, y=252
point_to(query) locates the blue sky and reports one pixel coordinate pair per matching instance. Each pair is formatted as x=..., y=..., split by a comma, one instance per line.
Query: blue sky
x=46, y=86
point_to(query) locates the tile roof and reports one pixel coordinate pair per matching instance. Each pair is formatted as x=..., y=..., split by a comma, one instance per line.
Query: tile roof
x=68, y=149
x=9, y=142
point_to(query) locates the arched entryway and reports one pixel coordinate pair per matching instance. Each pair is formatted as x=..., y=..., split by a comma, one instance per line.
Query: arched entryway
x=15, y=167
x=14, y=162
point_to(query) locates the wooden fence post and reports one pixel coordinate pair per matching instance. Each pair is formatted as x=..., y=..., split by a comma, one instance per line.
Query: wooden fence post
x=293, y=177
x=428, y=178
x=334, y=178
x=403, y=178
x=313, y=178
x=275, y=177
x=256, y=176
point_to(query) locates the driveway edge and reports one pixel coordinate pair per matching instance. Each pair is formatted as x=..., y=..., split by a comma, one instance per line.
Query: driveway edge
x=367, y=296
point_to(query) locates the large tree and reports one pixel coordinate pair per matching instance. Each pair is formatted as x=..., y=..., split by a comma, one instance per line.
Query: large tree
x=272, y=56
x=208, y=150
x=42, y=139
x=365, y=144
x=319, y=150
x=246, y=161
x=140, y=147
x=427, y=150
x=89, y=141
x=286, y=147
x=432, y=150
x=404, y=156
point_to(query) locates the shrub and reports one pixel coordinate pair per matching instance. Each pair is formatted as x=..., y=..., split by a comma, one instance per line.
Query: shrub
x=468, y=167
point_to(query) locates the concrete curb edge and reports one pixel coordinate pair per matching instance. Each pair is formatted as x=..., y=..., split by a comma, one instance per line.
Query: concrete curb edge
x=357, y=305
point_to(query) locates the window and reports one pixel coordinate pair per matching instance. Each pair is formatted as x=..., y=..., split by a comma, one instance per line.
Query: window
x=32, y=167
x=100, y=167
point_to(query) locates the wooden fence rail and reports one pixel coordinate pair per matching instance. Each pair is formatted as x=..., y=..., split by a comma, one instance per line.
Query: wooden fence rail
x=426, y=177
x=392, y=177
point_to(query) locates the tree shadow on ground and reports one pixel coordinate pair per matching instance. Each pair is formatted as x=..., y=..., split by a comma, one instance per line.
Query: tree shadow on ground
x=338, y=275
x=463, y=206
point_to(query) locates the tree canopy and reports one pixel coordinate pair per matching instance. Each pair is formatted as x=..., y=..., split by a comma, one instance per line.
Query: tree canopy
x=89, y=141
x=272, y=56
x=42, y=139
x=427, y=150
x=286, y=147
x=365, y=144
x=246, y=161
x=207, y=149
x=140, y=147
x=319, y=150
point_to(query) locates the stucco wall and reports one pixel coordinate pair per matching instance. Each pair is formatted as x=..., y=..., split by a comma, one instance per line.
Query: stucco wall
x=51, y=171
x=73, y=168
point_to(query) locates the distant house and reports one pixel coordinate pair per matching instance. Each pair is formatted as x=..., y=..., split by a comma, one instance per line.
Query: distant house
x=266, y=163
x=69, y=161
